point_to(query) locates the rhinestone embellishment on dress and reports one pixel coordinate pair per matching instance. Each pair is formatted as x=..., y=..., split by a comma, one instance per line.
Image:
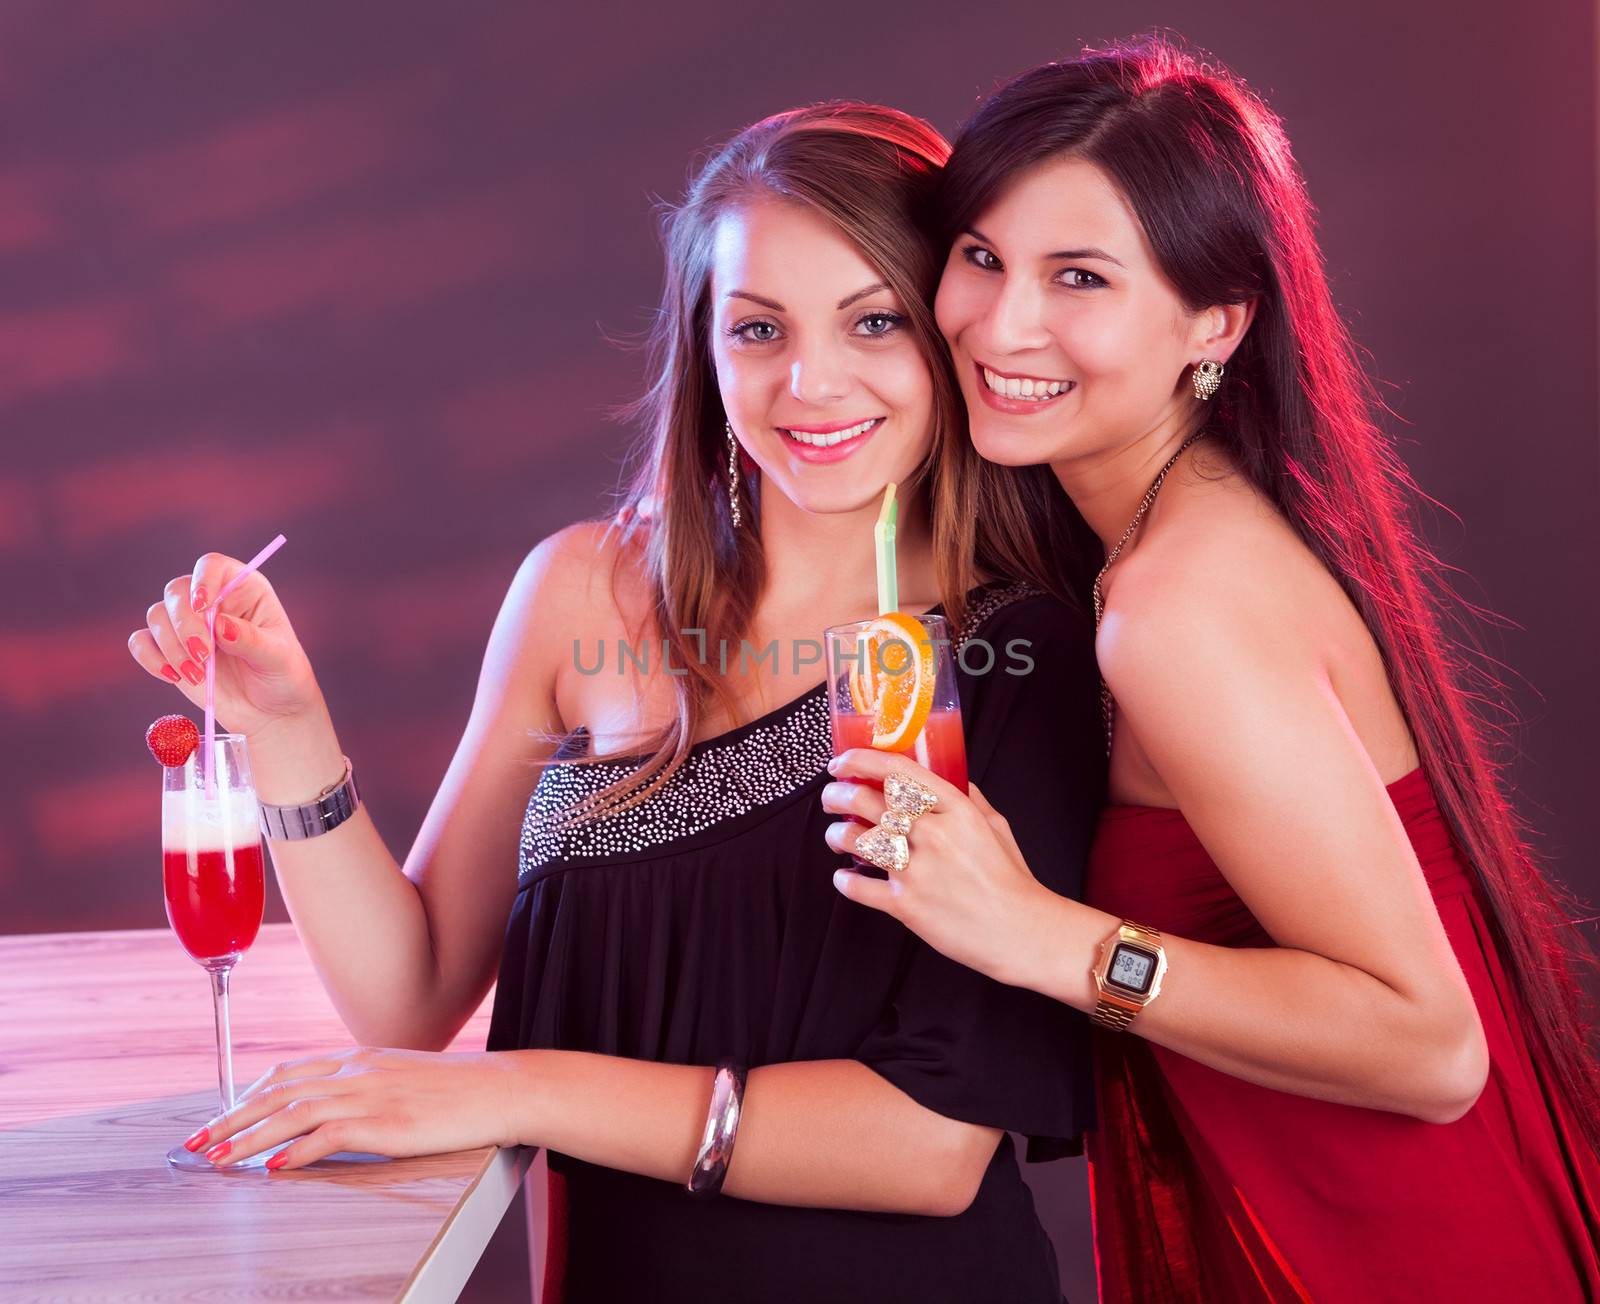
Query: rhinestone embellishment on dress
x=717, y=782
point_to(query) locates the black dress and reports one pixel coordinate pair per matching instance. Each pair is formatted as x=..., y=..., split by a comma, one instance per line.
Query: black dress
x=704, y=923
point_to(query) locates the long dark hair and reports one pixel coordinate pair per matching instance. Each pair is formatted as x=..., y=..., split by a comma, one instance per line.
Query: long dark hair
x=1206, y=168
x=870, y=171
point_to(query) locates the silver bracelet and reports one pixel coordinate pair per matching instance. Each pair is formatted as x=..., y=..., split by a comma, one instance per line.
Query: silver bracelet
x=322, y=814
x=722, y=1129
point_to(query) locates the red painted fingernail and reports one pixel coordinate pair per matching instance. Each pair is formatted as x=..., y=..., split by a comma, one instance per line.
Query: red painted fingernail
x=197, y=646
x=168, y=672
x=278, y=1160
x=191, y=672
x=219, y=1151
x=197, y=1140
x=230, y=631
x=197, y=600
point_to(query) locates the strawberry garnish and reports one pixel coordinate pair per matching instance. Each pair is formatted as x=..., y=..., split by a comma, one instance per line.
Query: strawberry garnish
x=172, y=739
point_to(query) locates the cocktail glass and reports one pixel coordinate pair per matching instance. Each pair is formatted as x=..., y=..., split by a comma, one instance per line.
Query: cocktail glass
x=868, y=659
x=213, y=879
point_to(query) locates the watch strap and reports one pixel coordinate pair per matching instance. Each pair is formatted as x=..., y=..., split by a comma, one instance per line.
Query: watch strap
x=322, y=814
x=1113, y=1014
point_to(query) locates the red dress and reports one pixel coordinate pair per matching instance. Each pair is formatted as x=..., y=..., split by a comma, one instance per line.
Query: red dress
x=1206, y=1187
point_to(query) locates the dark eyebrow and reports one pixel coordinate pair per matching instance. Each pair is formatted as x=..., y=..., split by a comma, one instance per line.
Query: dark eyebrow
x=1061, y=255
x=778, y=307
x=1072, y=255
x=859, y=294
x=755, y=298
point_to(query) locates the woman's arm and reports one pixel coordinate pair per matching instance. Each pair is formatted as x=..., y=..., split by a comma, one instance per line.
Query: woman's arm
x=407, y=955
x=1362, y=1002
x=825, y=1133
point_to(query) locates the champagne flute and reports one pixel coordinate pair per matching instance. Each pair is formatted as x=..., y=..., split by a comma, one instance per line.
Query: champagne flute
x=212, y=875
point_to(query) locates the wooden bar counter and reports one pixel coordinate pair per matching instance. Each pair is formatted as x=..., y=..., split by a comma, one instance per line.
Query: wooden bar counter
x=107, y=1060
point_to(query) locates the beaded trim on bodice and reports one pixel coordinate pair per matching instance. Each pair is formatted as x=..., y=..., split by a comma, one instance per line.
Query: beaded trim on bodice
x=719, y=780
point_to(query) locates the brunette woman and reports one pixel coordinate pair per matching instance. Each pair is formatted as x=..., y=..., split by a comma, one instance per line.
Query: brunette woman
x=1343, y=1056
x=672, y=923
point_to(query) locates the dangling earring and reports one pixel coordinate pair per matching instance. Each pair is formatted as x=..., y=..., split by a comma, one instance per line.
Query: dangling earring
x=1207, y=376
x=733, y=475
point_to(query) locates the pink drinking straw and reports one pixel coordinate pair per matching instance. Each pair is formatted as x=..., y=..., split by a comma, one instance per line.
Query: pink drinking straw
x=250, y=566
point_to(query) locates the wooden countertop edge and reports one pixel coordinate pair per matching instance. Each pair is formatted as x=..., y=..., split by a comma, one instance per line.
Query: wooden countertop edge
x=443, y=1270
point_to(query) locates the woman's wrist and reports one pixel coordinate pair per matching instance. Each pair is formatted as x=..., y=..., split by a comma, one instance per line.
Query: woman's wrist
x=518, y=1083
x=295, y=757
x=637, y=1116
x=1058, y=944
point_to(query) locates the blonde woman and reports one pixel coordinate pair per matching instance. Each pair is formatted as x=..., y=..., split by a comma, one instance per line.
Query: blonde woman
x=674, y=940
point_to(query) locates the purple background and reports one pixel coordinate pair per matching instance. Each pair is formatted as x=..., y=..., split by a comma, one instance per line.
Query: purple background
x=356, y=272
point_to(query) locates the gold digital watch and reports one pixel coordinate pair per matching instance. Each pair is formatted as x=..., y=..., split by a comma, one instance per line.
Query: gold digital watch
x=1127, y=974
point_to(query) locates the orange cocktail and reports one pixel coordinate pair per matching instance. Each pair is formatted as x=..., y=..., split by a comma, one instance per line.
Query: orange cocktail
x=940, y=746
x=892, y=686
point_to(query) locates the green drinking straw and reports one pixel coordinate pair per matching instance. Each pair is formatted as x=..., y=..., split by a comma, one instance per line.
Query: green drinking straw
x=883, y=538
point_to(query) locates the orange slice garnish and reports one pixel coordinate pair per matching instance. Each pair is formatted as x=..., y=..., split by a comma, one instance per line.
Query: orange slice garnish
x=865, y=675
x=893, y=679
x=866, y=671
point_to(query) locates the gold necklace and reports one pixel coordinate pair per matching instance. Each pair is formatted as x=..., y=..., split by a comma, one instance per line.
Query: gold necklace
x=1107, y=705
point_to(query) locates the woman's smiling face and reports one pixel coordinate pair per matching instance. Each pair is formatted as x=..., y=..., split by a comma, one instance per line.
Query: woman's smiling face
x=1068, y=339
x=821, y=378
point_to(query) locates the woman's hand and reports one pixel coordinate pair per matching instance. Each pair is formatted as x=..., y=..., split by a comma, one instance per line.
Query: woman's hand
x=967, y=891
x=263, y=674
x=387, y=1102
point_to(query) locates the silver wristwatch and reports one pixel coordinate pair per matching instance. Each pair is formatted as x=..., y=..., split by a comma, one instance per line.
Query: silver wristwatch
x=327, y=811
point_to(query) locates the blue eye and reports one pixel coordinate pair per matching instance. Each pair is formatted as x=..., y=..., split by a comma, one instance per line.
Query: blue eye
x=878, y=324
x=982, y=258
x=1089, y=280
x=754, y=332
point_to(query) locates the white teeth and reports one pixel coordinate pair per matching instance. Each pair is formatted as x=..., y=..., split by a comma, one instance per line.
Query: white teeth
x=837, y=437
x=1026, y=389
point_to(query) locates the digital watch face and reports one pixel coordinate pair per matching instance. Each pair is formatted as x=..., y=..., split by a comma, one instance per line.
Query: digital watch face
x=1131, y=968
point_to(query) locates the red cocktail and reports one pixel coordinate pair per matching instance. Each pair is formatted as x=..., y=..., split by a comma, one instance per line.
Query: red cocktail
x=213, y=880
x=214, y=899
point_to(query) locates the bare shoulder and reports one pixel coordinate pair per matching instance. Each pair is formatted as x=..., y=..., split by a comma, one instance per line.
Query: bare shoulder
x=1223, y=582
x=577, y=557
x=572, y=584
x=586, y=574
